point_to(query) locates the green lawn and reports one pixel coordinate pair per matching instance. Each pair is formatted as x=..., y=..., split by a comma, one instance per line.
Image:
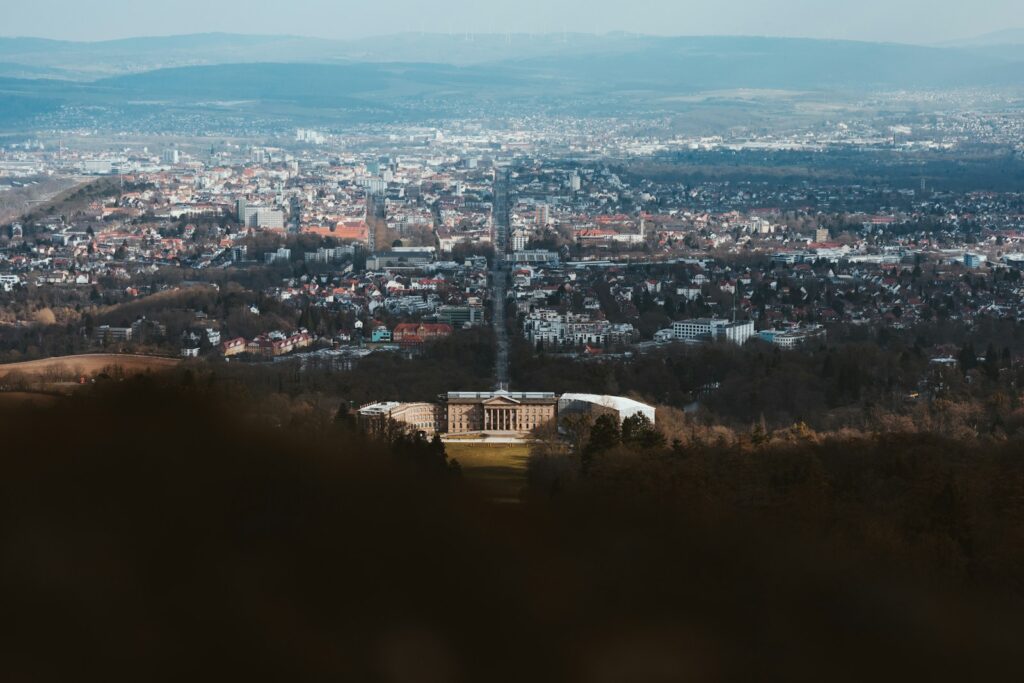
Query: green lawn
x=499, y=468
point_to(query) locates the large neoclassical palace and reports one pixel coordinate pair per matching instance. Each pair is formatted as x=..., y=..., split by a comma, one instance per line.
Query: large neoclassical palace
x=506, y=412
x=499, y=411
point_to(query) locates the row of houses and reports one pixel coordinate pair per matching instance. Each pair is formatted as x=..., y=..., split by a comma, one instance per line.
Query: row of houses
x=411, y=334
x=268, y=345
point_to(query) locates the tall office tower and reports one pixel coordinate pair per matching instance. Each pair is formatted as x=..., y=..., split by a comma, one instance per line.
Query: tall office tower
x=269, y=218
x=543, y=214
x=247, y=213
x=295, y=215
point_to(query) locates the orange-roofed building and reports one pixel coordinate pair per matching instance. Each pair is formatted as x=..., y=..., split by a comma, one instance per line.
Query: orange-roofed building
x=233, y=347
x=348, y=230
x=354, y=230
x=594, y=233
x=321, y=230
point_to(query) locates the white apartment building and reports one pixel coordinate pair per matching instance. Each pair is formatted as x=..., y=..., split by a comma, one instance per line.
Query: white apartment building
x=788, y=339
x=281, y=255
x=254, y=216
x=520, y=238
x=553, y=329
x=544, y=326
x=705, y=329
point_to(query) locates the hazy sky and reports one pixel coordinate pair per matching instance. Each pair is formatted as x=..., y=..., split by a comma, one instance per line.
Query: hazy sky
x=919, y=21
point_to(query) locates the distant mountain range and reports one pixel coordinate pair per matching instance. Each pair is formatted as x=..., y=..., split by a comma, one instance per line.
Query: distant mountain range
x=1006, y=45
x=1010, y=36
x=90, y=61
x=95, y=60
x=431, y=73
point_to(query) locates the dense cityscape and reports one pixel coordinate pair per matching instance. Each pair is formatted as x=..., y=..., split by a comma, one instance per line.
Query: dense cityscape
x=331, y=247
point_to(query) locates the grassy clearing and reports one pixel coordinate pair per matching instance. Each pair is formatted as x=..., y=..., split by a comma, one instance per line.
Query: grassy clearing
x=499, y=468
x=87, y=365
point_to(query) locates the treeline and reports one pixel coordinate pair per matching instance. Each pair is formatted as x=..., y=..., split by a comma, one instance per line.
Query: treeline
x=463, y=361
x=941, y=511
x=148, y=527
x=826, y=386
x=77, y=314
x=72, y=202
x=783, y=169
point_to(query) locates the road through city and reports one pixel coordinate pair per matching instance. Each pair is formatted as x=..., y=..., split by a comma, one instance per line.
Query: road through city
x=501, y=369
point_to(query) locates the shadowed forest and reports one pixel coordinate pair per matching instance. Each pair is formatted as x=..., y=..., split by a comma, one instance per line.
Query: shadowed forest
x=163, y=528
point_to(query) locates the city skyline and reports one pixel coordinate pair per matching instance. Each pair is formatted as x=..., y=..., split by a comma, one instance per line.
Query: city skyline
x=908, y=21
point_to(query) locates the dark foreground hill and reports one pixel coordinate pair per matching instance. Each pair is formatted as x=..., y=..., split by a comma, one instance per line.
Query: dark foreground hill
x=150, y=533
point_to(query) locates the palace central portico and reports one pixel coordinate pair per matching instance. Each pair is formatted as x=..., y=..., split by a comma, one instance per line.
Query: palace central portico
x=499, y=411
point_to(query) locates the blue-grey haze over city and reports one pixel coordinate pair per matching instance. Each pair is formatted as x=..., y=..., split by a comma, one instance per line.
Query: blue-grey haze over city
x=911, y=21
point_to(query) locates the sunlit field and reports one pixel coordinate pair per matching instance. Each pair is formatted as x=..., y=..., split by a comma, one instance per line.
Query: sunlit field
x=500, y=468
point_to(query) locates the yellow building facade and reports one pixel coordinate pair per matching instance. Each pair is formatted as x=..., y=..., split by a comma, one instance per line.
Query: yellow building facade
x=499, y=411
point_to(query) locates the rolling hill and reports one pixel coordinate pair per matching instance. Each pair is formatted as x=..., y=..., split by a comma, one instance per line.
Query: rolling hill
x=782, y=59
x=315, y=80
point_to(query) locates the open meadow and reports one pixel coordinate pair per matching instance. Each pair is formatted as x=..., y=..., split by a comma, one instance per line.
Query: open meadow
x=64, y=374
x=499, y=468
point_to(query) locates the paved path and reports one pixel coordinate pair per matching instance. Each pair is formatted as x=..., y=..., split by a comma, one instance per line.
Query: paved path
x=501, y=370
x=498, y=277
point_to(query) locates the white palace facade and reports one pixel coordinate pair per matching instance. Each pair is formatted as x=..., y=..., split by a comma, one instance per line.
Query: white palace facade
x=497, y=412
